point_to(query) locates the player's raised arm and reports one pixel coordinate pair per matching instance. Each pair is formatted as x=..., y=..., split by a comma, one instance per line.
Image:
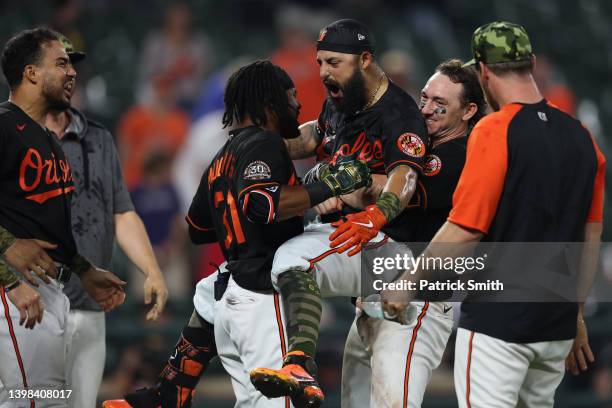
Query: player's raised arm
x=306, y=143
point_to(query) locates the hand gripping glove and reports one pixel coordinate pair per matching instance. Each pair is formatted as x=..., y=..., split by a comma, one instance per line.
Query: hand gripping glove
x=357, y=229
x=346, y=177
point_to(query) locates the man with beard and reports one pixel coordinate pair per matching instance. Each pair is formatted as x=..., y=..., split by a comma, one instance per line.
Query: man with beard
x=36, y=238
x=250, y=201
x=532, y=174
x=101, y=208
x=365, y=117
x=385, y=363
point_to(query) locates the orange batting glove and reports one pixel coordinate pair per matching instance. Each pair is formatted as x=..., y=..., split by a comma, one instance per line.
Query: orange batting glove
x=357, y=229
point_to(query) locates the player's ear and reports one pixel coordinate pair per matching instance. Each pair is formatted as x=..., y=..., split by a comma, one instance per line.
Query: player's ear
x=483, y=70
x=469, y=111
x=365, y=60
x=31, y=74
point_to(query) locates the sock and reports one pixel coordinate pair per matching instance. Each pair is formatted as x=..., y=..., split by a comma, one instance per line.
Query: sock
x=302, y=303
x=192, y=354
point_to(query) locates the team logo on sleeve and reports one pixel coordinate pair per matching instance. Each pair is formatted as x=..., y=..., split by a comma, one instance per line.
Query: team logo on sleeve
x=257, y=170
x=432, y=166
x=411, y=144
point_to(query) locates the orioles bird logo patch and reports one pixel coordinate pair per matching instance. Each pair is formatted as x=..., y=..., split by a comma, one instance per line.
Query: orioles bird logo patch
x=433, y=165
x=411, y=144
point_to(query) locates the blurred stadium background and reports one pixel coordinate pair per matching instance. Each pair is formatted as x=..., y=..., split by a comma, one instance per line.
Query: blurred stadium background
x=155, y=74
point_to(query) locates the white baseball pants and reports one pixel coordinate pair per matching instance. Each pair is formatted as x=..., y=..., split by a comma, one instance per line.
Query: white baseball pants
x=493, y=373
x=388, y=365
x=34, y=359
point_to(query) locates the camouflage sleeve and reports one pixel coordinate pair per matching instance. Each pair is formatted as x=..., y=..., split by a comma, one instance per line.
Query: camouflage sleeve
x=6, y=240
x=7, y=277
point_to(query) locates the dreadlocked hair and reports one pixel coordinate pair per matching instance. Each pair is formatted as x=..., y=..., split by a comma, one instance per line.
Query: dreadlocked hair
x=251, y=90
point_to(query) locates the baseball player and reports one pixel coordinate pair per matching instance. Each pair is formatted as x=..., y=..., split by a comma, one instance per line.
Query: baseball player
x=251, y=201
x=97, y=214
x=532, y=174
x=365, y=117
x=386, y=363
x=36, y=233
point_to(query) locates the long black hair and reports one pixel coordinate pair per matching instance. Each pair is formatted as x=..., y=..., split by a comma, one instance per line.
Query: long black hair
x=252, y=89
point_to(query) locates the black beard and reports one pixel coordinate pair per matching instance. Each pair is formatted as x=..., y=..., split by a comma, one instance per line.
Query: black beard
x=353, y=95
x=55, y=102
x=289, y=127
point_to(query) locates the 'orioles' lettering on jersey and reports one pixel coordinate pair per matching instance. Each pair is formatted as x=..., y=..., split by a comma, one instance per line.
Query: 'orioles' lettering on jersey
x=236, y=204
x=390, y=133
x=36, y=182
x=31, y=171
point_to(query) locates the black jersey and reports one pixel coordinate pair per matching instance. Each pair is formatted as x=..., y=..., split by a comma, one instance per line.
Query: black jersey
x=532, y=174
x=434, y=195
x=390, y=133
x=251, y=160
x=36, y=183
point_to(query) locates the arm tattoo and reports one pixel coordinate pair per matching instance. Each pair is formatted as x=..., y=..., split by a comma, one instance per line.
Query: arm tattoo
x=301, y=147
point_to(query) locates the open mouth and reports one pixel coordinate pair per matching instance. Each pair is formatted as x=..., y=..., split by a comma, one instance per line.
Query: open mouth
x=334, y=90
x=69, y=88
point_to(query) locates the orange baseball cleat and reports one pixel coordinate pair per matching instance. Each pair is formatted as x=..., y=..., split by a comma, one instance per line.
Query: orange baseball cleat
x=293, y=380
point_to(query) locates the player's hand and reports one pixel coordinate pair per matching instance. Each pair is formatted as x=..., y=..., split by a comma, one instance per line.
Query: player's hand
x=329, y=206
x=27, y=300
x=155, y=285
x=346, y=177
x=104, y=287
x=395, y=301
x=576, y=360
x=357, y=229
x=29, y=257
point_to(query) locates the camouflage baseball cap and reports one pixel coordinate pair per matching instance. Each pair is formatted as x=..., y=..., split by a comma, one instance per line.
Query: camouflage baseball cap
x=74, y=56
x=500, y=41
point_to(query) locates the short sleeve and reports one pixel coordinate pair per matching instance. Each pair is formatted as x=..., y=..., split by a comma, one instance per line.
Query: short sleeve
x=483, y=177
x=405, y=141
x=199, y=216
x=263, y=165
x=121, y=197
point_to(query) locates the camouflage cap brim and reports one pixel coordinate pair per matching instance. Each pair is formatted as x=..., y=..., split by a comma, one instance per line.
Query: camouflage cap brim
x=470, y=63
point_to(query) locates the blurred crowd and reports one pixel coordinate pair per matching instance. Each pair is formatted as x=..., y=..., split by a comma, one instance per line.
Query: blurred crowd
x=159, y=88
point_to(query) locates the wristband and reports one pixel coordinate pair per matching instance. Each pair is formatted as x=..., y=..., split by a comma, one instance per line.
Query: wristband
x=318, y=192
x=11, y=286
